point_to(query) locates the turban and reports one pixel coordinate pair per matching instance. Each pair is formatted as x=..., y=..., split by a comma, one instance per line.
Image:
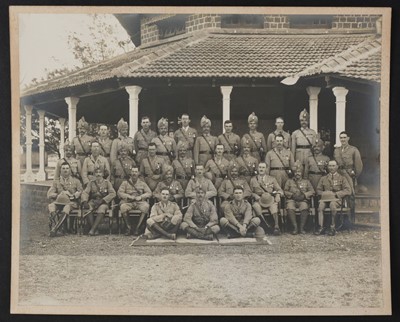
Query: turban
x=122, y=145
x=319, y=143
x=252, y=118
x=83, y=124
x=122, y=124
x=205, y=121
x=68, y=145
x=304, y=115
x=162, y=122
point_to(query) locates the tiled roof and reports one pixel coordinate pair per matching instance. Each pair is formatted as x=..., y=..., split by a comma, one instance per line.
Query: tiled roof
x=218, y=55
x=367, y=68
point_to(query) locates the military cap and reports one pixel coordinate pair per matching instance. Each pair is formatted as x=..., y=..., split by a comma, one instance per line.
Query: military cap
x=304, y=115
x=328, y=196
x=162, y=122
x=266, y=200
x=122, y=124
x=204, y=121
x=83, y=124
x=62, y=199
x=252, y=118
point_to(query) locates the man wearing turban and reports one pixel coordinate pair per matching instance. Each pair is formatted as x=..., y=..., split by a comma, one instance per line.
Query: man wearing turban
x=255, y=139
x=123, y=137
x=165, y=145
x=204, y=146
x=82, y=142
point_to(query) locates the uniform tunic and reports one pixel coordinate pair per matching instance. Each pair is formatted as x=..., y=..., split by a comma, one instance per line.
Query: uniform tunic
x=70, y=185
x=304, y=186
x=74, y=164
x=84, y=149
x=89, y=166
x=118, y=175
x=231, y=143
x=279, y=164
x=166, y=211
x=187, y=136
x=203, y=151
x=96, y=191
x=257, y=144
x=127, y=141
x=315, y=168
x=175, y=190
x=217, y=170
x=238, y=213
x=151, y=170
x=184, y=170
x=301, y=148
x=201, y=214
x=166, y=148
x=271, y=140
x=105, y=147
x=349, y=162
x=336, y=183
x=247, y=165
x=206, y=185
x=225, y=191
x=141, y=142
x=138, y=189
x=261, y=184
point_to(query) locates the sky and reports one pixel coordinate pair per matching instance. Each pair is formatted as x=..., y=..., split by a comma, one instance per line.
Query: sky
x=43, y=41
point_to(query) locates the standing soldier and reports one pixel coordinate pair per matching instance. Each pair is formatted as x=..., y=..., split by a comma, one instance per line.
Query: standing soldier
x=280, y=161
x=121, y=167
x=230, y=141
x=183, y=166
x=82, y=143
x=239, y=220
x=204, y=145
x=316, y=164
x=97, y=196
x=95, y=160
x=201, y=219
x=217, y=168
x=74, y=164
x=64, y=194
x=246, y=163
x=200, y=180
x=165, y=218
x=303, y=139
x=134, y=193
x=255, y=139
x=176, y=192
x=279, y=122
x=105, y=142
x=298, y=192
x=165, y=145
x=123, y=137
x=142, y=139
x=186, y=134
x=151, y=167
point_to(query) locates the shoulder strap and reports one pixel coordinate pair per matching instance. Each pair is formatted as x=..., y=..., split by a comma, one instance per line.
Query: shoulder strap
x=208, y=143
x=80, y=142
x=226, y=139
x=163, y=143
x=251, y=137
x=73, y=174
x=140, y=131
x=309, y=142
x=101, y=145
x=184, y=135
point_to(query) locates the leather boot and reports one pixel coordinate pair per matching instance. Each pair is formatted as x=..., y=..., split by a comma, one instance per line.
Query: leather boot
x=292, y=217
x=303, y=220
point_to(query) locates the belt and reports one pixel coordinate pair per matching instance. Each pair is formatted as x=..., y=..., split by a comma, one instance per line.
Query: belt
x=279, y=168
x=204, y=152
x=82, y=154
x=162, y=153
x=106, y=155
x=182, y=177
x=314, y=172
x=90, y=173
x=303, y=146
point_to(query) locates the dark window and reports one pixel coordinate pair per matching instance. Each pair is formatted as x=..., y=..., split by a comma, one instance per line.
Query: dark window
x=242, y=21
x=171, y=27
x=310, y=21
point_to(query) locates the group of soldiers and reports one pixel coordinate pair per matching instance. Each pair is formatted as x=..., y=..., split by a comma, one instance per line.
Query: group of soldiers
x=219, y=182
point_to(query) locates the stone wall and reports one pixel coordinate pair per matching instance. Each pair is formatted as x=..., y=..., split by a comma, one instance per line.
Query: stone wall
x=276, y=22
x=359, y=22
x=202, y=21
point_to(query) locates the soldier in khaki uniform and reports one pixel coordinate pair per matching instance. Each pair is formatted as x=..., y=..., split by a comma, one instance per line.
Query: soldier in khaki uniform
x=152, y=167
x=97, y=196
x=165, y=145
x=279, y=122
x=230, y=141
x=123, y=137
x=183, y=165
x=298, y=192
x=69, y=189
x=267, y=194
x=280, y=161
x=176, y=192
x=316, y=165
x=134, y=194
x=82, y=143
x=239, y=220
x=255, y=139
x=247, y=164
x=216, y=169
x=95, y=160
x=303, y=139
x=165, y=218
x=186, y=134
x=204, y=145
x=121, y=167
x=201, y=219
x=226, y=189
x=332, y=188
x=74, y=164
x=142, y=139
x=105, y=142
x=200, y=180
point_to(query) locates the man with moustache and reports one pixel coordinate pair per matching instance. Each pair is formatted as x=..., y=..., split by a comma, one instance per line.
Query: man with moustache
x=204, y=146
x=183, y=165
x=186, y=134
x=142, y=139
x=230, y=141
x=165, y=145
x=279, y=122
x=82, y=143
x=255, y=139
x=123, y=137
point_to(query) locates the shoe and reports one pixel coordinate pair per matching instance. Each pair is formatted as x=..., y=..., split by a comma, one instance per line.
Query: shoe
x=188, y=236
x=91, y=233
x=128, y=231
x=320, y=231
x=52, y=234
x=173, y=236
x=332, y=232
x=277, y=232
x=294, y=232
x=302, y=231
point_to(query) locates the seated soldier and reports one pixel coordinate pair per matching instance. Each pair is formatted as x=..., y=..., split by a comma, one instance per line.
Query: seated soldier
x=216, y=168
x=183, y=165
x=96, y=197
x=151, y=167
x=239, y=220
x=95, y=160
x=133, y=193
x=267, y=194
x=200, y=180
x=201, y=219
x=165, y=218
x=65, y=193
x=176, y=192
x=332, y=188
x=298, y=192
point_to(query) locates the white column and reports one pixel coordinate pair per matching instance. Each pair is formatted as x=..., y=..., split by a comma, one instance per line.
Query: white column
x=72, y=103
x=62, y=135
x=340, y=94
x=41, y=175
x=133, y=92
x=28, y=175
x=313, y=104
x=226, y=103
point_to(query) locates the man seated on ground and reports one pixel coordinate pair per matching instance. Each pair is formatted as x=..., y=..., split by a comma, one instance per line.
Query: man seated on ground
x=216, y=168
x=200, y=180
x=267, y=194
x=134, y=194
x=64, y=193
x=201, y=219
x=298, y=192
x=165, y=218
x=239, y=220
x=96, y=197
x=175, y=189
x=332, y=188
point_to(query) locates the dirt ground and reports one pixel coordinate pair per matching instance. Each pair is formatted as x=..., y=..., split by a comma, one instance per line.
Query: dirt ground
x=295, y=271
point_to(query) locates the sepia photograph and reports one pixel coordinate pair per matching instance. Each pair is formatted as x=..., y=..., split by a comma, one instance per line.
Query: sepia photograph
x=200, y=160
